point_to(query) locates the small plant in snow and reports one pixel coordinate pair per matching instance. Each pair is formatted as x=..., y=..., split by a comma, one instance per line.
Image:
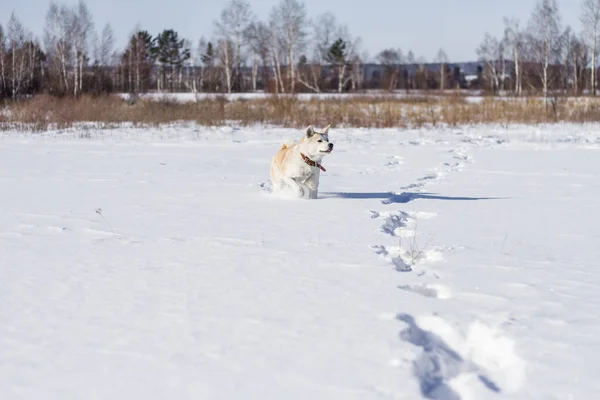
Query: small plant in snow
x=99, y=212
x=413, y=252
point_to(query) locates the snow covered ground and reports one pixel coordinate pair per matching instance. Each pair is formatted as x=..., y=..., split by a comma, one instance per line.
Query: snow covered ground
x=471, y=96
x=441, y=264
x=185, y=97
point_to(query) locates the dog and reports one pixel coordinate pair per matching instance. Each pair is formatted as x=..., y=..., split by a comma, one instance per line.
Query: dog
x=297, y=167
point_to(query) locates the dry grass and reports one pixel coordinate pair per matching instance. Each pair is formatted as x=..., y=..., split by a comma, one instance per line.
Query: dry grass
x=44, y=112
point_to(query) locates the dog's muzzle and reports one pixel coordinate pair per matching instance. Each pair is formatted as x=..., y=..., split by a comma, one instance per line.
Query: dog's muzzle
x=329, y=149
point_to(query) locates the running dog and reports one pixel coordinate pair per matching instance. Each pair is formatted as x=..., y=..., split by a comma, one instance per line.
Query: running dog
x=297, y=167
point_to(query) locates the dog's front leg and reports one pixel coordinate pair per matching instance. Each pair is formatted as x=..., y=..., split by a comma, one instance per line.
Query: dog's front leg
x=295, y=186
x=312, y=185
x=307, y=191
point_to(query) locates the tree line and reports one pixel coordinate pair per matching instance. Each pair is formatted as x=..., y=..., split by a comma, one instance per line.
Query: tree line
x=288, y=52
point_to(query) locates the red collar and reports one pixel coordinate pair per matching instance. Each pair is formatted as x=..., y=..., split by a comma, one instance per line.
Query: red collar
x=311, y=162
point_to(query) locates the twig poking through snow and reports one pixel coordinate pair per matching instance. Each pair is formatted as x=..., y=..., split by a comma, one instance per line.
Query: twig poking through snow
x=99, y=212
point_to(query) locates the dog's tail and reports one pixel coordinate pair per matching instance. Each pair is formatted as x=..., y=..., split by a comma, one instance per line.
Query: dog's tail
x=287, y=144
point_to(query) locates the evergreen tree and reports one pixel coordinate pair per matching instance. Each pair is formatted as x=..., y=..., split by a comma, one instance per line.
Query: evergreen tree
x=209, y=56
x=138, y=60
x=336, y=55
x=337, y=52
x=170, y=52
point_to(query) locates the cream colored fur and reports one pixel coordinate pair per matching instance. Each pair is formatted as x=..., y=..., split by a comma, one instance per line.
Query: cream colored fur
x=289, y=172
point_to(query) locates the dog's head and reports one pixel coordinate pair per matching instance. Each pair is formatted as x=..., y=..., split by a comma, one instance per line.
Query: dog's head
x=316, y=144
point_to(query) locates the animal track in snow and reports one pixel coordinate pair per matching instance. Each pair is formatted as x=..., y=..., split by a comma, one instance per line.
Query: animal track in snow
x=452, y=366
x=428, y=290
x=407, y=253
x=266, y=186
x=459, y=155
x=457, y=166
x=422, y=181
x=422, y=214
x=394, y=160
x=413, y=185
x=51, y=225
x=394, y=256
x=394, y=223
x=431, y=176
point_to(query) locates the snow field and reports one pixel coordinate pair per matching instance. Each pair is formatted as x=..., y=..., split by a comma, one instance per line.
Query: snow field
x=450, y=264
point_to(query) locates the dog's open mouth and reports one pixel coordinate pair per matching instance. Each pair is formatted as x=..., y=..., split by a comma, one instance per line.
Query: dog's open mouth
x=326, y=151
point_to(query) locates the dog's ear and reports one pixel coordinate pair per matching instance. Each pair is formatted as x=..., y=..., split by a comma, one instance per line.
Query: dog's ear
x=310, y=131
x=326, y=130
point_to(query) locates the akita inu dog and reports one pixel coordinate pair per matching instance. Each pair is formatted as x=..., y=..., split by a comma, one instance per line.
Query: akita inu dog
x=297, y=167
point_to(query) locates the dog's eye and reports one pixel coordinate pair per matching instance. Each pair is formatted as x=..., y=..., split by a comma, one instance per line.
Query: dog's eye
x=319, y=140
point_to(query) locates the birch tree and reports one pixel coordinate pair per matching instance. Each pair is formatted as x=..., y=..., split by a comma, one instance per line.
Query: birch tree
x=207, y=57
x=567, y=41
x=259, y=37
x=578, y=55
x=226, y=59
x=357, y=72
x=17, y=39
x=490, y=52
x=513, y=37
x=138, y=59
x=442, y=59
x=232, y=30
x=391, y=60
x=80, y=29
x=57, y=42
x=590, y=18
x=2, y=63
x=105, y=46
x=276, y=51
x=341, y=54
x=288, y=20
x=544, y=39
x=322, y=34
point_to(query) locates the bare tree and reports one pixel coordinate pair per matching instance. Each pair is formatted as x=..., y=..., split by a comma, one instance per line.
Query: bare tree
x=322, y=37
x=206, y=51
x=340, y=53
x=226, y=57
x=106, y=46
x=288, y=20
x=513, y=37
x=276, y=51
x=566, y=69
x=490, y=52
x=3, y=66
x=233, y=27
x=57, y=42
x=442, y=59
x=137, y=61
x=578, y=59
x=81, y=27
x=391, y=60
x=590, y=18
x=544, y=39
x=357, y=72
x=324, y=33
x=259, y=37
x=66, y=37
x=199, y=72
x=17, y=39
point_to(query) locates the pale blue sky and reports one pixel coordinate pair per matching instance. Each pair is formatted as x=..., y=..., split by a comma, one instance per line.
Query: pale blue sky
x=423, y=26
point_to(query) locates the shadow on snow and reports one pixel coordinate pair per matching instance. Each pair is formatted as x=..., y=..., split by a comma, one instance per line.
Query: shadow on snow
x=404, y=197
